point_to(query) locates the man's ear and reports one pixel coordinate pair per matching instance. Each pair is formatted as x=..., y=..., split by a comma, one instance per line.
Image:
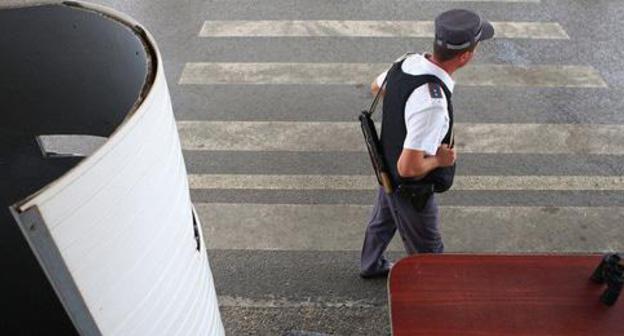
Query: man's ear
x=465, y=57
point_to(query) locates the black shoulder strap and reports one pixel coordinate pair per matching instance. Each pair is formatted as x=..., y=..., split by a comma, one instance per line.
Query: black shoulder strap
x=393, y=68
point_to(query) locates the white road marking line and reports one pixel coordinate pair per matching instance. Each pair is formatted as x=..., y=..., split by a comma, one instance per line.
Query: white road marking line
x=232, y=301
x=502, y=1
x=346, y=136
x=367, y=182
x=351, y=28
x=322, y=227
x=363, y=73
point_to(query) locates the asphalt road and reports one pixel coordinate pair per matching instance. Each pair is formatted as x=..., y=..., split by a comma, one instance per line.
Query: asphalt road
x=268, y=286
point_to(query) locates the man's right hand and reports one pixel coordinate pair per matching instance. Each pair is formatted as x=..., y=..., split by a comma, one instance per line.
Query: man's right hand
x=446, y=156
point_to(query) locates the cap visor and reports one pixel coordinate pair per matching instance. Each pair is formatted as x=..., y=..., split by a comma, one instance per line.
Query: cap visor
x=487, y=31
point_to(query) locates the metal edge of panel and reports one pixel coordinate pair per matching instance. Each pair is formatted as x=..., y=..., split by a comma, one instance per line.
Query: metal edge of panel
x=155, y=73
x=45, y=249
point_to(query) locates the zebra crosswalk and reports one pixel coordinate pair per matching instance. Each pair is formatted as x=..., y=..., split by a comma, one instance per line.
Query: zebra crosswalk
x=344, y=136
x=266, y=98
x=279, y=173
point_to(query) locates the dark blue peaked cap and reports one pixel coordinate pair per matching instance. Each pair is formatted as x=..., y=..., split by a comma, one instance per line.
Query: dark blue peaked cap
x=458, y=29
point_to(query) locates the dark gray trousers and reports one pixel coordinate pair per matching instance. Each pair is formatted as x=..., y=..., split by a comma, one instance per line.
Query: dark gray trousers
x=418, y=229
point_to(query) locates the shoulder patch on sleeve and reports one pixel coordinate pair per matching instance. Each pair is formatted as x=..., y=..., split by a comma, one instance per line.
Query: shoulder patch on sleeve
x=435, y=91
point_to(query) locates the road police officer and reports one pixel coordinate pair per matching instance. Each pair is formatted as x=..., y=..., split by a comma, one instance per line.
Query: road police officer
x=417, y=137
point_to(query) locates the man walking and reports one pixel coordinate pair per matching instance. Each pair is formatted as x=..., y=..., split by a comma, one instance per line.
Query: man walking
x=417, y=138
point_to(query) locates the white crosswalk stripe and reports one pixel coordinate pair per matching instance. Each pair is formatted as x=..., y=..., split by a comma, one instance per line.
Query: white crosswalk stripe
x=362, y=73
x=340, y=227
x=425, y=29
x=229, y=301
x=367, y=182
x=346, y=136
x=501, y=1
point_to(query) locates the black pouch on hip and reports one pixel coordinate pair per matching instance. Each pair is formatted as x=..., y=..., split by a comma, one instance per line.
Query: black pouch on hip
x=417, y=193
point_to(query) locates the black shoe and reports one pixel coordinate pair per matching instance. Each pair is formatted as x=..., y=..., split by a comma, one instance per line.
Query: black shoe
x=381, y=273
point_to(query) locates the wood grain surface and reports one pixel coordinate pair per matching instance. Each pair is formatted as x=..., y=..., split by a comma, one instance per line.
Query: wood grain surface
x=500, y=295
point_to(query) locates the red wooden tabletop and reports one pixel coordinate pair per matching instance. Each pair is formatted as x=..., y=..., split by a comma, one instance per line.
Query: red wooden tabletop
x=500, y=295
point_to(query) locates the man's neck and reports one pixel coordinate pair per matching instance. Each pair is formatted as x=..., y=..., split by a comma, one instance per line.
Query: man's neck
x=446, y=66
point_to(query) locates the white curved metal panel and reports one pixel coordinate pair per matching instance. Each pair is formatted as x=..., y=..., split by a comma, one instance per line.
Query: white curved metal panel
x=122, y=221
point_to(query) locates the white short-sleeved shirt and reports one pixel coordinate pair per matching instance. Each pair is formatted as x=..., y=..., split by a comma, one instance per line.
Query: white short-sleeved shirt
x=426, y=118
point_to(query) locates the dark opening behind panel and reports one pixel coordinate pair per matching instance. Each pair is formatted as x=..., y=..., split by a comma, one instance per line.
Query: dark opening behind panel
x=63, y=70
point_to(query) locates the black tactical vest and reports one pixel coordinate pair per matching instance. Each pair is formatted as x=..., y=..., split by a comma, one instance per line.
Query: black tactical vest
x=399, y=87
